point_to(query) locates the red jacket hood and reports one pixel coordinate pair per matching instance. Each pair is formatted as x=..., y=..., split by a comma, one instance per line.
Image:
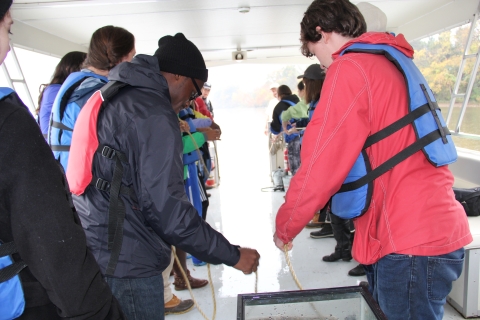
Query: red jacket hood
x=398, y=42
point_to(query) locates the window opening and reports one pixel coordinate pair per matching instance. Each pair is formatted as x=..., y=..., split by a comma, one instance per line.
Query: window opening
x=16, y=80
x=465, y=95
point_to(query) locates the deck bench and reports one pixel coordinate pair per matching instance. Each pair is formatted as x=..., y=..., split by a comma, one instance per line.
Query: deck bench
x=465, y=295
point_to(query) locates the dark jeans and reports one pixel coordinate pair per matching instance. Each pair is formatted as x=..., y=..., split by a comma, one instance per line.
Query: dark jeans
x=140, y=299
x=414, y=287
x=293, y=149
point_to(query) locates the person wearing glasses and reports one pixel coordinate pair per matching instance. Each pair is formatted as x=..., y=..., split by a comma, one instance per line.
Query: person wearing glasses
x=141, y=122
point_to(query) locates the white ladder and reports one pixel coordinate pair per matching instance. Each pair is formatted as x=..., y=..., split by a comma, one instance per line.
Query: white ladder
x=471, y=81
x=18, y=84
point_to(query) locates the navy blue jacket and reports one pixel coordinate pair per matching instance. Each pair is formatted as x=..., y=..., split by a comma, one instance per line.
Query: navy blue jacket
x=140, y=122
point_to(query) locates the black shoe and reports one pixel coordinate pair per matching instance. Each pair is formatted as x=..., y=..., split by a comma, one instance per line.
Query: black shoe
x=337, y=255
x=357, y=271
x=325, y=232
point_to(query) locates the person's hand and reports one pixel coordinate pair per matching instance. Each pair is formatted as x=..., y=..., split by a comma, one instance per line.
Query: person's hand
x=248, y=262
x=212, y=135
x=292, y=131
x=284, y=126
x=280, y=244
x=215, y=126
x=184, y=127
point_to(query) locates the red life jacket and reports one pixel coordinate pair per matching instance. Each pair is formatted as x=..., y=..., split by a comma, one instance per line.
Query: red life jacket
x=85, y=139
x=84, y=145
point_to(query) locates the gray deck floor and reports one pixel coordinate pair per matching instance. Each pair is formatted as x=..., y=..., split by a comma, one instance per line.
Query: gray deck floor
x=246, y=215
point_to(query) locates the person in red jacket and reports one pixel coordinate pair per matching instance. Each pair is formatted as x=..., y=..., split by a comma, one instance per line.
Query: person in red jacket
x=411, y=237
x=201, y=107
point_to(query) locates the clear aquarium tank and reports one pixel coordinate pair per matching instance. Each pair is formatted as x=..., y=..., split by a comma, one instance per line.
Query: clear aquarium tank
x=346, y=303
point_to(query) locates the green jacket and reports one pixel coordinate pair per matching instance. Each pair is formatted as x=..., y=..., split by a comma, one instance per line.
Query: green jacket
x=298, y=111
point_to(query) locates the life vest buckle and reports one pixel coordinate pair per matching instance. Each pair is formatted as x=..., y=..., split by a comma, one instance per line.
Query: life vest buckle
x=108, y=152
x=102, y=185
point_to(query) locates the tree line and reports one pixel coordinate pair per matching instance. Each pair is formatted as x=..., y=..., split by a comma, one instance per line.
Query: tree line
x=438, y=58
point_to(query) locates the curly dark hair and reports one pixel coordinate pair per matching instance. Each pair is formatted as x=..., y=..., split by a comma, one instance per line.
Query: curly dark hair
x=340, y=16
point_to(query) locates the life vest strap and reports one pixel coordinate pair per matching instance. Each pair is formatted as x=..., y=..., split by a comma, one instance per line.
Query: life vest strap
x=60, y=125
x=7, y=249
x=434, y=106
x=11, y=270
x=397, y=125
x=59, y=148
x=393, y=161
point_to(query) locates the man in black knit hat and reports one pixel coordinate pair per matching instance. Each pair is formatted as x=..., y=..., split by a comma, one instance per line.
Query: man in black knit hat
x=141, y=122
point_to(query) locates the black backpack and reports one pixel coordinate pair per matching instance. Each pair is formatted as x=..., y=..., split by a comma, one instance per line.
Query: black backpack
x=470, y=200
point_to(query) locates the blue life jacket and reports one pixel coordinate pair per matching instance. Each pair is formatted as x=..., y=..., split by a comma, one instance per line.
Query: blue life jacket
x=193, y=188
x=304, y=122
x=12, y=300
x=286, y=137
x=187, y=115
x=311, y=109
x=65, y=112
x=433, y=137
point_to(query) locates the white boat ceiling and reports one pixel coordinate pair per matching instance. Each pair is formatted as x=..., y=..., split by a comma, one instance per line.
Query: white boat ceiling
x=269, y=32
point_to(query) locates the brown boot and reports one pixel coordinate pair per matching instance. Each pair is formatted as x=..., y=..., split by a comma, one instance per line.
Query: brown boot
x=194, y=283
x=315, y=223
x=178, y=306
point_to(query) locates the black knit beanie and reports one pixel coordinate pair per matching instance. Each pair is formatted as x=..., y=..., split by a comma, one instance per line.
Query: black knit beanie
x=178, y=55
x=4, y=6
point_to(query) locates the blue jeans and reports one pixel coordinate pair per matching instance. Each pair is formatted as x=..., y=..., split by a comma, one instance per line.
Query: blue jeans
x=414, y=287
x=140, y=299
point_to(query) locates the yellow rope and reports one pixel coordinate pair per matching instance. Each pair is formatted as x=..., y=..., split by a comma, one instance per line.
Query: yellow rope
x=216, y=162
x=256, y=281
x=292, y=272
x=213, y=292
x=285, y=249
x=208, y=265
x=190, y=288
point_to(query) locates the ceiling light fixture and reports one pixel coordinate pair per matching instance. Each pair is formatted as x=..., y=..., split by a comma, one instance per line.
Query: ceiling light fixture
x=239, y=55
x=244, y=9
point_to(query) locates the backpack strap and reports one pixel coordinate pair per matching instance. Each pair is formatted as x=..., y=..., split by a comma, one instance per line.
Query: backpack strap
x=116, y=207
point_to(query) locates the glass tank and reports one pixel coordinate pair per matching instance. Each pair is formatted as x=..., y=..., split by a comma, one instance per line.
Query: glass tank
x=346, y=303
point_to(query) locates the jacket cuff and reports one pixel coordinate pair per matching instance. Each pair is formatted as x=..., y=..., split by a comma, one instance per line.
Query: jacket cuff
x=235, y=257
